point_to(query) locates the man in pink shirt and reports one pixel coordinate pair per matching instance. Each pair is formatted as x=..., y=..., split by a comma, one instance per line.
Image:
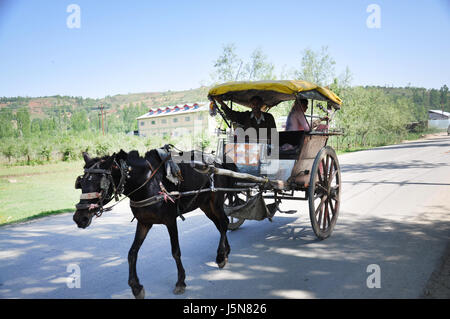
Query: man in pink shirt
x=296, y=120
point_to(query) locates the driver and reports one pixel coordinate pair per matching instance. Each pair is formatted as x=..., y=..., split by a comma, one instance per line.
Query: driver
x=256, y=118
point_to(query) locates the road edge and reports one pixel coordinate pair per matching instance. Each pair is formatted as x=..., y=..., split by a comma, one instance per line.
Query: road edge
x=438, y=285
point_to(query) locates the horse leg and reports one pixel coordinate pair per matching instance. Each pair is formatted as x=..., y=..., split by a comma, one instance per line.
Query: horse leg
x=133, y=280
x=223, y=228
x=217, y=215
x=176, y=253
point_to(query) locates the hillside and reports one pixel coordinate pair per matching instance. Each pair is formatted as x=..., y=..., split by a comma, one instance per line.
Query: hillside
x=42, y=107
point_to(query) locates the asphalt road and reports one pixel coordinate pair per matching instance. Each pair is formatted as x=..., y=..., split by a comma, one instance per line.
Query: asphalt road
x=395, y=214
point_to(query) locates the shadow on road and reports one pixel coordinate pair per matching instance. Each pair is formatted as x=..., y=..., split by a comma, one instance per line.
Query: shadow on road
x=289, y=262
x=391, y=165
x=282, y=259
x=417, y=144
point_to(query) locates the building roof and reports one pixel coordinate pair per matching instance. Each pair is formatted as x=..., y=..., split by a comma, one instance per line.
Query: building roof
x=440, y=112
x=175, y=109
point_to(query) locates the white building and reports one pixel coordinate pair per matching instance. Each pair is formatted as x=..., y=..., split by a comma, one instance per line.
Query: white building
x=177, y=120
x=438, y=118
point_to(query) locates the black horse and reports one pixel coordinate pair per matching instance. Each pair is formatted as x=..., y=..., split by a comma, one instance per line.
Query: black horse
x=140, y=178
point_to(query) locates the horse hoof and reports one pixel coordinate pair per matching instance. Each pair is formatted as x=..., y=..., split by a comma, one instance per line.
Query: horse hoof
x=179, y=290
x=141, y=294
x=223, y=263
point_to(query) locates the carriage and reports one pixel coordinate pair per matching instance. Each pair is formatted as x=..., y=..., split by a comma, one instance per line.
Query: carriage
x=292, y=162
x=167, y=183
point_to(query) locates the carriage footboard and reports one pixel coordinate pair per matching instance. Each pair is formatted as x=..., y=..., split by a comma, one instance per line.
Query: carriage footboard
x=255, y=209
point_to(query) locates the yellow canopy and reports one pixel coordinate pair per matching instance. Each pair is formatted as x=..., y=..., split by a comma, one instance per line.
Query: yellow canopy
x=273, y=92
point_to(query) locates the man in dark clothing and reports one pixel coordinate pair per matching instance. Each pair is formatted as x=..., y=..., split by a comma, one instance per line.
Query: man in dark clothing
x=255, y=119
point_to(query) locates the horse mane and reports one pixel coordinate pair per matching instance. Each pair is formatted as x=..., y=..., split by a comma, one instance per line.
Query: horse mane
x=134, y=159
x=94, y=160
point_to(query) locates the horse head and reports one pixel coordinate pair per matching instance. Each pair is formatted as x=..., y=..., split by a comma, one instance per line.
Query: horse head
x=100, y=182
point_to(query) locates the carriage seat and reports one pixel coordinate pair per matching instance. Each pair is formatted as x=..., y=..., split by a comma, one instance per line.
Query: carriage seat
x=290, y=143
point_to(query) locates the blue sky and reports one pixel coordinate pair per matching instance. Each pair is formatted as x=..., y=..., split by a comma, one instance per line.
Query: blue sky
x=145, y=46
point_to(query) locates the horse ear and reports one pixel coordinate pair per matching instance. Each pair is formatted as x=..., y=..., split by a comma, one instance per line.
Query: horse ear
x=133, y=154
x=86, y=157
x=122, y=155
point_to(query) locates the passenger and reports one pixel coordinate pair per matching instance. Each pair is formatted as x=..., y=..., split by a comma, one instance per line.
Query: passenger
x=296, y=120
x=256, y=118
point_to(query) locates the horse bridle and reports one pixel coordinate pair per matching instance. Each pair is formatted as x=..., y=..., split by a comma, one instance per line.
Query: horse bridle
x=106, y=181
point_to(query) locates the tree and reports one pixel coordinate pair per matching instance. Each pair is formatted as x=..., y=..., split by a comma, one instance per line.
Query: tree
x=419, y=110
x=23, y=121
x=10, y=150
x=79, y=121
x=46, y=151
x=36, y=126
x=258, y=68
x=228, y=65
x=49, y=125
x=345, y=79
x=369, y=112
x=6, y=123
x=417, y=98
x=27, y=151
x=316, y=67
x=444, y=97
x=434, y=99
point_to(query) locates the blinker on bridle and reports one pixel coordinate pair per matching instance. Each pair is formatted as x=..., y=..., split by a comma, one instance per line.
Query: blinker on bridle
x=105, y=182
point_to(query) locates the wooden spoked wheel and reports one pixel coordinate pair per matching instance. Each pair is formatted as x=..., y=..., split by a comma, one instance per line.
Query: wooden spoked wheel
x=324, y=192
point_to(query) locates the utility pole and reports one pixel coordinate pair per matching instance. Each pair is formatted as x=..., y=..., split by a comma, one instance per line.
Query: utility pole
x=103, y=127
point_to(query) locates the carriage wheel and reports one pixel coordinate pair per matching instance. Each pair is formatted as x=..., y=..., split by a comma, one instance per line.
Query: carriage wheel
x=324, y=192
x=232, y=200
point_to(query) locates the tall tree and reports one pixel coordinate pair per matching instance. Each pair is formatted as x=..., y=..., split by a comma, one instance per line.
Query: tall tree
x=434, y=99
x=228, y=65
x=258, y=68
x=6, y=123
x=36, y=126
x=23, y=121
x=316, y=67
x=444, y=97
x=79, y=121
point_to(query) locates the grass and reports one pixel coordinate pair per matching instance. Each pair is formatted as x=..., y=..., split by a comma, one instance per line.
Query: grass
x=34, y=191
